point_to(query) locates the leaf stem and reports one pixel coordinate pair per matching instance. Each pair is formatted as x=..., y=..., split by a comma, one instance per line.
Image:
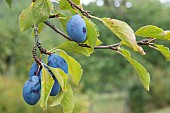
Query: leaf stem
x=153, y=47
x=97, y=18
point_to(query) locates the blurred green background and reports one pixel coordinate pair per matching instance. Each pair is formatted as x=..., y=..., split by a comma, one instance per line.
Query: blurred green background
x=109, y=83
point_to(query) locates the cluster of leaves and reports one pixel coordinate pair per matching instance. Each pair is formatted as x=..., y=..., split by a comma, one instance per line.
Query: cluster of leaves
x=65, y=97
x=39, y=12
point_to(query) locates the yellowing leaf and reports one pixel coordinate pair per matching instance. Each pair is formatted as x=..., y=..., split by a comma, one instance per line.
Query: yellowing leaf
x=142, y=72
x=73, y=47
x=74, y=68
x=46, y=86
x=98, y=42
x=124, y=32
x=61, y=77
x=65, y=99
x=89, y=50
x=164, y=50
x=58, y=98
x=92, y=33
x=40, y=27
x=167, y=37
x=151, y=31
x=67, y=102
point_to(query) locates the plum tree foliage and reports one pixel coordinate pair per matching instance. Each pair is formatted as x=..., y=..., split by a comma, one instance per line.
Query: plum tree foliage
x=82, y=37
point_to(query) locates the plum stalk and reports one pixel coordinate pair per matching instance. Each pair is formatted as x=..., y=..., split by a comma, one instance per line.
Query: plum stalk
x=38, y=44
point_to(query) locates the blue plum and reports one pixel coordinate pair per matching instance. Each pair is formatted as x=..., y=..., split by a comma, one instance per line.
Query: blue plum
x=34, y=69
x=76, y=28
x=56, y=88
x=56, y=61
x=32, y=90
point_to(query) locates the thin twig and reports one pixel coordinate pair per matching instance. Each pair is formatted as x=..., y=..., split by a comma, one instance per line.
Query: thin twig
x=152, y=47
x=38, y=43
x=54, y=16
x=73, y=5
x=57, y=30
x=146, y=41
x=34, y=50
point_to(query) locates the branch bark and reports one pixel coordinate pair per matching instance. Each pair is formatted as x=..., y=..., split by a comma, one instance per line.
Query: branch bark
x=38, y=43
x=57, y=30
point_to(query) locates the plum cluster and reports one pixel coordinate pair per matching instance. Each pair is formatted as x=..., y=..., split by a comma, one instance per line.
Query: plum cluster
x=76, y=28
x=32, y=88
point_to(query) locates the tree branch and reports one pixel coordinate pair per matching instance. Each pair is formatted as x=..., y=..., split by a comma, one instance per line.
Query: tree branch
x=113, y=47
x=57, y=30
x=38, y=43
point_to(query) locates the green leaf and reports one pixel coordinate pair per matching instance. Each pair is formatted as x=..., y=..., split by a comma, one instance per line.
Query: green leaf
x=58, y=99
x=89, y=50
x=98, y=42
x=40, y=27
x=164, y=50
x=61, y=77
x=40, y=11
x=142, y=72
x=67, y=102
x=74, y=68
x=124, y=32
x=50, y=4
x=64, y=4
x=167, y=37
x=73, y=47
x=9, y=2
x=92, y=33
x=64, y=21
x=151, y=31
x=36, y=13
x=26, y=19
x=61, y=15
x=76, y=1
x=46, y=86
